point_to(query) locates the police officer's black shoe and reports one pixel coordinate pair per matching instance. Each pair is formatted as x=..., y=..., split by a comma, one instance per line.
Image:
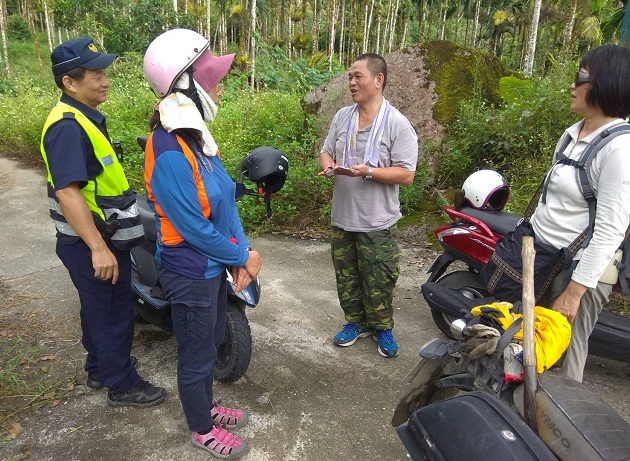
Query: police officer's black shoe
x=143, y=395
x=93, y=382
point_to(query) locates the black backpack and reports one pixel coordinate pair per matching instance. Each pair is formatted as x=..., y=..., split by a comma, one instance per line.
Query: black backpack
x=583, y=165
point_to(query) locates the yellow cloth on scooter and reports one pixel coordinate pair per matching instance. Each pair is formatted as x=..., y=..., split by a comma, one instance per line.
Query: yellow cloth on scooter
x=500, y=311
x=552, y=330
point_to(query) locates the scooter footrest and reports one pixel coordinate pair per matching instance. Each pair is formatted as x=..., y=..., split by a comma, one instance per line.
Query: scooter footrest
x=158, y=293
x=145, y=294
x=438, y=349
x=463, y=381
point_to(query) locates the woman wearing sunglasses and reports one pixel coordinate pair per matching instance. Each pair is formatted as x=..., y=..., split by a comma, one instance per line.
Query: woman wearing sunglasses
x=601, y=94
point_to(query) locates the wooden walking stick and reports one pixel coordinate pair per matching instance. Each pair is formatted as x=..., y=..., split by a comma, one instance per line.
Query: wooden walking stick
x=529, y=340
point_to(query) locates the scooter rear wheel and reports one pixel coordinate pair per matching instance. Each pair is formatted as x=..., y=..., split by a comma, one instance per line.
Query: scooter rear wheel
x=466, y=282
x=234, y=355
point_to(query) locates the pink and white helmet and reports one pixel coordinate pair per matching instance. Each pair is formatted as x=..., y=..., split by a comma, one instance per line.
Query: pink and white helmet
x=169, y=55
x=486, y=189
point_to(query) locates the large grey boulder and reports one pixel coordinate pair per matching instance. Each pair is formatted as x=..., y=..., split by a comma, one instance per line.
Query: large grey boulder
x=425, y=82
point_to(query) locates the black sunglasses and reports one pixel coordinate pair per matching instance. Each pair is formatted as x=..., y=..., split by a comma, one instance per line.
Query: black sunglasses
x=581, y=78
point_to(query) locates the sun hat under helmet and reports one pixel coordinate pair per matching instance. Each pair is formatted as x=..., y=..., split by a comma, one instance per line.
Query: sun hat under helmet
x=173, y=52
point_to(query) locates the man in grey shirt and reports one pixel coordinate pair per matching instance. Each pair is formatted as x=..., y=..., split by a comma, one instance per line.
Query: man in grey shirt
x=371, y=149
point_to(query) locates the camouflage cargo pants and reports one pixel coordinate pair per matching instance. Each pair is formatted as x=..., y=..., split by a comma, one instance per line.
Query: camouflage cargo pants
x=366, y=265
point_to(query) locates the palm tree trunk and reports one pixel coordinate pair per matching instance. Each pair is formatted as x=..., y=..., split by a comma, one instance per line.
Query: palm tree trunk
x=31, y=25
x=365, y=29
x=208, y=18
x=533, y=36
x=368, y=28
x=290, y=34
x=49, y=31
x=315, y=26
x=244, y=35
x=392, y=33
x=331, y=37
x=443, y=31
x=568, y=28
x=222, y=30
x=421, y=19
x=342, y=30
x=388, y=21
x=458, y=18
x=378, y=33
x=438, y=26
x=405, y=26
x=3, y=33
x=476, y=24
x=252, y=43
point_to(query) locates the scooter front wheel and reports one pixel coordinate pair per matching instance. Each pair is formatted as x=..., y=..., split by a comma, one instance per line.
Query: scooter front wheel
x=234, y=355
x=466, y=282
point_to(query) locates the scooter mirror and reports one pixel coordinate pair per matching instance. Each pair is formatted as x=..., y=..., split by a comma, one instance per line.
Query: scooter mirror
x=142, y=142
x=240, y=190
x=250, y=295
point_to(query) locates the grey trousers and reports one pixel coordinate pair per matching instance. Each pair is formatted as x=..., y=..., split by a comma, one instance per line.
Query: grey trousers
x=590, y=306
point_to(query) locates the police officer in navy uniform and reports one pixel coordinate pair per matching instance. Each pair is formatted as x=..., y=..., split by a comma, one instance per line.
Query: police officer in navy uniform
x=97, y=220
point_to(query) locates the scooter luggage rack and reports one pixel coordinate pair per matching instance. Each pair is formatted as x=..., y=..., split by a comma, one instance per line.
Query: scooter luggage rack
x=490, y=221
x=459, y=215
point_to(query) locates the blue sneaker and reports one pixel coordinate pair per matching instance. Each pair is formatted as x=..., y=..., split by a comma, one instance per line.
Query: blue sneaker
x=349, y=335
x=387, y=345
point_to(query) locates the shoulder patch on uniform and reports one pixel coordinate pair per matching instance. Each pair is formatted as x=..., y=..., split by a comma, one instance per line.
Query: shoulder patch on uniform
x=69, y=115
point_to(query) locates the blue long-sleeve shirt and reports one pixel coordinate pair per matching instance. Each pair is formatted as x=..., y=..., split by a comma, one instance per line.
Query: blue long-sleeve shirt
x=208, y=244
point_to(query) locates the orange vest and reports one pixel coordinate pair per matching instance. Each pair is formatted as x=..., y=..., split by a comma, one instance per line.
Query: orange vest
x=169, y=235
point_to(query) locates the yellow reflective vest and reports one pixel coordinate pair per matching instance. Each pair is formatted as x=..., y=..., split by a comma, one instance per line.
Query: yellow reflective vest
x=108, y=194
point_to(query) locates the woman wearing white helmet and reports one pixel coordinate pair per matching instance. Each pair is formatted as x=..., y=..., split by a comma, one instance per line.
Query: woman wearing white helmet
x=199, y=229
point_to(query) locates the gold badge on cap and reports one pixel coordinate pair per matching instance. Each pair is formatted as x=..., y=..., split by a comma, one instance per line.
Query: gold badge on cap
x=92, y=47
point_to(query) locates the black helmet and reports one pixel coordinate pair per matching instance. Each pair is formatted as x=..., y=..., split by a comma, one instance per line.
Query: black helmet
x=268, y=168
x=265, y=166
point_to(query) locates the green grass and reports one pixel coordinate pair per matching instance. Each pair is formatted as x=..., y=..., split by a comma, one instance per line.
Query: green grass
x=245, y=121
x=517, y=137
x=14, y=355
x=24, y=379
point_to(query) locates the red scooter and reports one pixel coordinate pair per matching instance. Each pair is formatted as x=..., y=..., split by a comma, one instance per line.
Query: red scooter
x=468, y=242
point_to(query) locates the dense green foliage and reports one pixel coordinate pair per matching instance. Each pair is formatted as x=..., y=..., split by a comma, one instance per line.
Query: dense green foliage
x=516, y=136
x=246, y=120
x=18, y=28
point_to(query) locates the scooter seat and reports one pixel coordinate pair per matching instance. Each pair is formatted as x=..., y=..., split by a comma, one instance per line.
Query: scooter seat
x=498, y=221
x=575, y=423
x=147, y=218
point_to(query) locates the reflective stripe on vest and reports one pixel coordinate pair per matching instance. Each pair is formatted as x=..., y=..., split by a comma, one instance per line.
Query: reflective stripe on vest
x=109, y=193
